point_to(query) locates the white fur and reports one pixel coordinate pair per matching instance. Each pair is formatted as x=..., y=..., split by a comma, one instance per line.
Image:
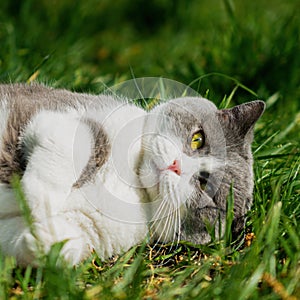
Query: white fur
x=104, y=215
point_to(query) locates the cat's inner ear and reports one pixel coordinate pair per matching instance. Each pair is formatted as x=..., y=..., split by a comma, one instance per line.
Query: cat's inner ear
x=242, y=117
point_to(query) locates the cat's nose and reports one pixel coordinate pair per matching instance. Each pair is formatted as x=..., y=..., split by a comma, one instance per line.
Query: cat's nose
x=175, y=167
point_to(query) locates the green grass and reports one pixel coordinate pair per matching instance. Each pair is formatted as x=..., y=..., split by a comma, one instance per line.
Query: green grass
x=231, y=52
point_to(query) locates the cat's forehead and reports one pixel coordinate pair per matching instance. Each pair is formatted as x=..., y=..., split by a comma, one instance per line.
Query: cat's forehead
x=193, y=104
x=187, y=106
x=185, y=112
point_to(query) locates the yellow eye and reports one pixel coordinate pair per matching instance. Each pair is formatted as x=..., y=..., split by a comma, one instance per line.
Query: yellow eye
x=197, y=141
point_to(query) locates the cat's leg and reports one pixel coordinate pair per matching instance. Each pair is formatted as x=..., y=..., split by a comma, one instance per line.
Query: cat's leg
x=29, y=243
x=65, y=228
x=57, y=147
x=12, y=227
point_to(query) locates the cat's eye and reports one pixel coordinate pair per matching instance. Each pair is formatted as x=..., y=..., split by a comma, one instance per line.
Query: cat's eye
x=197, y=140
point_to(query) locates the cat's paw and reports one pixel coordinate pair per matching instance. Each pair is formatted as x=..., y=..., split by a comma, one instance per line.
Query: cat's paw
x=26, y=249
x=56, y=230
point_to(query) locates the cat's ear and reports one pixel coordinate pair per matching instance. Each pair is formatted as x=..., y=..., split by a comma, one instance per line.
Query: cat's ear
x=242, y=117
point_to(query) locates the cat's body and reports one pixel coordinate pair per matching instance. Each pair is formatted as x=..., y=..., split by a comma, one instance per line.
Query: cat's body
x=97, y=171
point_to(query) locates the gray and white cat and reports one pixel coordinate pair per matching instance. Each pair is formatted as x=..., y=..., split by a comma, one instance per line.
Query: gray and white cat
x=101, y=173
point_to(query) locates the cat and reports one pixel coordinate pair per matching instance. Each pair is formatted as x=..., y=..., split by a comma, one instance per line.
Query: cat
x=103, y=174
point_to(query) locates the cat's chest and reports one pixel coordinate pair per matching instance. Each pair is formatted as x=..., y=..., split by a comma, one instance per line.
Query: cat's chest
x=117, y=180
x=112, y=194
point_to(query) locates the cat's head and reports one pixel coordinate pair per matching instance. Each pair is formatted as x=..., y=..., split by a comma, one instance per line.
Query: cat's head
x=192, y=154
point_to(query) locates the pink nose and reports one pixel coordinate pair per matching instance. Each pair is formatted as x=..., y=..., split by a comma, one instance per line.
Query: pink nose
x=175, y=167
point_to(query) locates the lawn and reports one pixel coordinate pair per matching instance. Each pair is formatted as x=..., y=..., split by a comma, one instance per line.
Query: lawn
x=229, y=51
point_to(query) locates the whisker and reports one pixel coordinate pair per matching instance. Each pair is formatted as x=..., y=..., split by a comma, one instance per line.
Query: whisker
x=174, y=202
x=165, y=219
x=159, y=210
x=172, y=222
x=177, y=221
x=165, y=225
x=178, y=229
x=158, y=217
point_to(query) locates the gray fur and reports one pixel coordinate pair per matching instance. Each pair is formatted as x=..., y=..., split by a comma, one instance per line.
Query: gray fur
x=228, y=135
x=23, y=102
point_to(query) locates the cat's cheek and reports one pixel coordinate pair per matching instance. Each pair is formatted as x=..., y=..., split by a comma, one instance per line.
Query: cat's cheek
x=185, y=189
x=148, y=173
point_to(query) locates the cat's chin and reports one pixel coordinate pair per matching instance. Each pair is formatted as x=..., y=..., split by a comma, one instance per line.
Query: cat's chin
x=169, y=198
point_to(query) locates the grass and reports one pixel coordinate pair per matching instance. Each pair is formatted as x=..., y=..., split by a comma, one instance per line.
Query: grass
x=229, y=51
